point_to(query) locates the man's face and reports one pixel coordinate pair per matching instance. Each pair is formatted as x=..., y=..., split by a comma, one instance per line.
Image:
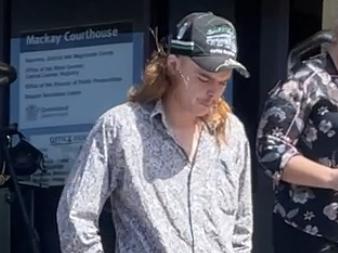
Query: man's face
x=196, y=89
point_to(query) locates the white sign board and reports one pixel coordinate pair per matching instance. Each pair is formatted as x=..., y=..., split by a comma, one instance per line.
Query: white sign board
x=66, y=79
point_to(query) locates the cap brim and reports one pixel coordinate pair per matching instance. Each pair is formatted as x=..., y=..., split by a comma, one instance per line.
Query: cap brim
x=217, y=63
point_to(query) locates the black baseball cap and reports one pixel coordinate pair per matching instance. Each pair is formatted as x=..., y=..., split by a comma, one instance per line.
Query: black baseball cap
x=209, y=40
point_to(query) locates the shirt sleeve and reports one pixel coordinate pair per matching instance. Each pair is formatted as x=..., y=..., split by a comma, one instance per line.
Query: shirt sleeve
x=242, y=236
x=282, y=123
x=88, y=186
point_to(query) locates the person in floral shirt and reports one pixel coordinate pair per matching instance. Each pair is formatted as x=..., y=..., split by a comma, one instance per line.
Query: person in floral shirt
x=297, y=145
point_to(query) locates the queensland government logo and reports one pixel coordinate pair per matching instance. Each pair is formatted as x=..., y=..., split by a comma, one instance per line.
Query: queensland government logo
x=32, y=112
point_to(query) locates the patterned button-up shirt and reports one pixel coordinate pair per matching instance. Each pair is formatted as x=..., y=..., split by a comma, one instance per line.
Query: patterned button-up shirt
x=160, y=201
x=301, y=117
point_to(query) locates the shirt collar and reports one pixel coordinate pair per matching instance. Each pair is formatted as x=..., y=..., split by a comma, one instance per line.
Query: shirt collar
x=157, y=112
x=157, y=109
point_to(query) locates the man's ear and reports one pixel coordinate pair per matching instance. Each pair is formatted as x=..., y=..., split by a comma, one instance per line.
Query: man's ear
x=172, y=63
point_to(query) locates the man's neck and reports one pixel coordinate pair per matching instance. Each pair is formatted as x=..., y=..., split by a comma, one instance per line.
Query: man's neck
x=176, y=116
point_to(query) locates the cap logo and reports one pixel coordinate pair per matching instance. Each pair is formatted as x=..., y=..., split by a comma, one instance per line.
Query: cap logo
x=221, y=43
x=220, y=29
x=221, y=40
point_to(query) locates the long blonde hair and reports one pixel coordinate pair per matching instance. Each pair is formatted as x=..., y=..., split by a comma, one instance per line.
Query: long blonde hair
x=155, y=84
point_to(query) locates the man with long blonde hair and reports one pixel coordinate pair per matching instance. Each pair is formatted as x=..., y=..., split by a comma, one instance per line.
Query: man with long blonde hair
x=174, y=160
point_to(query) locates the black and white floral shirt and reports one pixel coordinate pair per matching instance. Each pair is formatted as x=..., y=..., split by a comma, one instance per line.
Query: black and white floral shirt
x=161, y=203
x=301, y=117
